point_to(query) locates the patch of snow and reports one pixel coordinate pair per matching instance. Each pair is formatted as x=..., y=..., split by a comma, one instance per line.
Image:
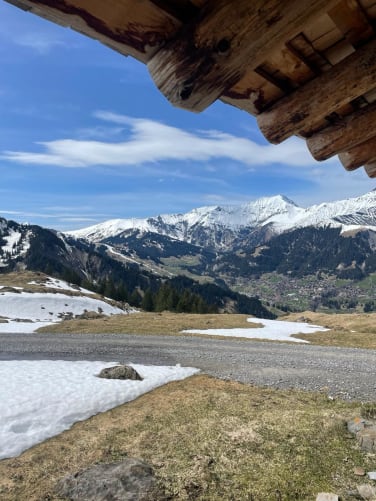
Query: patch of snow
x=14, y=327
x=40, y=306
x=272, y=330
x=40, y=309
x=55, y=283
x=11, y=240
x=43, y=398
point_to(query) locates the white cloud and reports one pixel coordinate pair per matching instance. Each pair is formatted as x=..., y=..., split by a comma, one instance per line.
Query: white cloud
x=151, y=141
x=39, y=42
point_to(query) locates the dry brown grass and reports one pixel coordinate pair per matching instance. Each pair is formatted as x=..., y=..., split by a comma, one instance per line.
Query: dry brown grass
x=350, y=330
x=21, y=279
x=347, y=330
x=207, y=440
x=150, y=323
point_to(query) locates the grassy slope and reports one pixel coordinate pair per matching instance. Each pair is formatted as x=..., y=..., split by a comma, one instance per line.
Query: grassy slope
x=350, y=330
x=151, y=323
x=207, y=440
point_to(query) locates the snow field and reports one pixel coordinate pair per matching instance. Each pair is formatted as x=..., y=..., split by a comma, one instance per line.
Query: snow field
x=43, y=398
x=44, y=308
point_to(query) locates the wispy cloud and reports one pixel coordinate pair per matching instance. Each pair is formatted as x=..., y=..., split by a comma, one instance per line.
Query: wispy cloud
x=41, y=43
x=150, y=141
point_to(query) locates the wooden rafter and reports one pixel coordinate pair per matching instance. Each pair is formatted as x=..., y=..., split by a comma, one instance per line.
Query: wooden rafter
x=352, y=22
x=301, y=110
x=209, y=55
x=349, y=132
x=304, y=67
x=138, y=29
x=371, y=169
x=359, y=155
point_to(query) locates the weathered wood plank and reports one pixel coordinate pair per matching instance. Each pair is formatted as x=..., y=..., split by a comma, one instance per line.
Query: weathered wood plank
x=323, y=33
x=252, y=93
x=371, y=169
x=352, y=22
x=359, y=155
x=338, y=52
x=132, y=28
x=346, y=81
x=210, y=55
x=292, y=66
x=353, y=130
x=305, y=49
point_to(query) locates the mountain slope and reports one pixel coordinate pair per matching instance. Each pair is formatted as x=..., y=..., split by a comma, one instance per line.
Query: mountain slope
x=101, y=269
x=230, y=227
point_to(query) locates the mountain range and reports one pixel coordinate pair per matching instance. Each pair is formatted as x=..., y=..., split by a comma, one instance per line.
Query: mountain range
x=290, y=257
x=225, y=227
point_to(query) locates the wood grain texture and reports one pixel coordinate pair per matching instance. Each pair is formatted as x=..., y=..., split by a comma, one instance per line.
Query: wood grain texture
x=349, y=132
x=371, y=169
x=211, y=54
x=359, y=155
x=300, y=110
x=136, y=28
x=352, y=22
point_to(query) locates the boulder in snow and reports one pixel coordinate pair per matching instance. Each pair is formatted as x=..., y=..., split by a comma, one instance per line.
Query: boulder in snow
x=120, y=372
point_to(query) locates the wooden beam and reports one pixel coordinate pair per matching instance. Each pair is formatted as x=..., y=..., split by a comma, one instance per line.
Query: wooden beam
x=371, y=169
x=180, y=9
x=252, y=93
x=137, y=28
x=352, y=22
x=351, y=131
x=211, y=54
x=359, y=155
x=325, y=94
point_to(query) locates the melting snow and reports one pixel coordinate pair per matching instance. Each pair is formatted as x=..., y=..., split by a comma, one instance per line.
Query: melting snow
x=55, y=283
x=272, y=330
x=45, y=308
x=43, y=398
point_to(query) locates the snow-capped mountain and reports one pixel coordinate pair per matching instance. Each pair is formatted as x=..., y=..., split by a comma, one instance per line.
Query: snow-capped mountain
x=220, y=227
x=14, y=241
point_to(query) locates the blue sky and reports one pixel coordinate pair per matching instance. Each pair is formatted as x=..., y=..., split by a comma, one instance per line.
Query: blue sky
x=85, y=136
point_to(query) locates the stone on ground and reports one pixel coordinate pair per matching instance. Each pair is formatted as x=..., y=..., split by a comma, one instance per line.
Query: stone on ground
x=120, y=372
x=129, y=480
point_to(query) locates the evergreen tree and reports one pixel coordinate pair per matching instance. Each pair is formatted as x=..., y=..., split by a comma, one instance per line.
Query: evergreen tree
x=147, y=302
x=135, y=298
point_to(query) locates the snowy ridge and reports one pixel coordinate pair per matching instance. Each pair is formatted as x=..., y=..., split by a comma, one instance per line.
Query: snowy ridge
x=24, y=311
x=279, y=213
x=15, y=244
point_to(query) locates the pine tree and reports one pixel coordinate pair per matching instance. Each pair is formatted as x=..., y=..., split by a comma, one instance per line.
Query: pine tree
x=147, y=302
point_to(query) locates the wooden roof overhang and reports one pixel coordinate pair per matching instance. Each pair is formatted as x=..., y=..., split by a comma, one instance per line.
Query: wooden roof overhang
x=302, y=67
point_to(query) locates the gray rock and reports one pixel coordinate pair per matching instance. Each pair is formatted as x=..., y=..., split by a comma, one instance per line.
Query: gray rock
x=356, y=424
x=327, y=496
x=367, y=439
x=129, y=480
x=120, y=372
x=367, y=492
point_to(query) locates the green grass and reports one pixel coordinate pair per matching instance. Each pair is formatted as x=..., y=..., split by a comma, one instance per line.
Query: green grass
x=207, y=440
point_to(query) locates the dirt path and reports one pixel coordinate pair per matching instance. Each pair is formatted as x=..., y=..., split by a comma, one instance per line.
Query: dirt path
x=342, y=372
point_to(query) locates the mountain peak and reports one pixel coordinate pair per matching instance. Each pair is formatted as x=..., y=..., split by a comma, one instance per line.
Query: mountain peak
x=217, y=226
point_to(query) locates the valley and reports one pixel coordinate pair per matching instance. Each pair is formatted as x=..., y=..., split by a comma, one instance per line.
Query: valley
x=267, y=257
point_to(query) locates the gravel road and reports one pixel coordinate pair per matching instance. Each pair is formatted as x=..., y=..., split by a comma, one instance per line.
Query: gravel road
x=345, y=372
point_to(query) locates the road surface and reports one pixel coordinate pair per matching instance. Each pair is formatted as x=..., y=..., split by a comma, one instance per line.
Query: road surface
x=347, y=373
